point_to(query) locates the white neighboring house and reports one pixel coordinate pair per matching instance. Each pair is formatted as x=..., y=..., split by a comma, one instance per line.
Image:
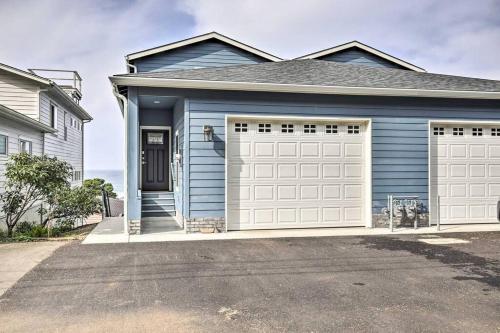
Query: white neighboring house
x=42, y=115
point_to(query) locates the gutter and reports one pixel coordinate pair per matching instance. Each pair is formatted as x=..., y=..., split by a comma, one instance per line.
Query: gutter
x=75, y=106
x=25, y=120
x=124, y=108
x=302, y=89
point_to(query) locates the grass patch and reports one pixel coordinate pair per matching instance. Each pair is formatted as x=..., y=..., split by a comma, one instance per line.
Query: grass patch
x=39, y=234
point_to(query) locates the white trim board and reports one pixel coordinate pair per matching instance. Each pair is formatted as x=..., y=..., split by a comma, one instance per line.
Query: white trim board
x=368, y=155
x=302, y=89
x=201, y=38
x=366, y=48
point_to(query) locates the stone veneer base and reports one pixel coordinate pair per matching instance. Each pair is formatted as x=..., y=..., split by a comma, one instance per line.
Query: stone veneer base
x=134, y=227
x=205, y=225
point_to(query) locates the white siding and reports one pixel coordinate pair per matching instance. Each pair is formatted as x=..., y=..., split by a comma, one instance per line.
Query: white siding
x=15, y=131
x=70, y=150
x=19, y=94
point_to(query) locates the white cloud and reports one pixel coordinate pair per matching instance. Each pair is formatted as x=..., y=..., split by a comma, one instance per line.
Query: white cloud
x=449, y=36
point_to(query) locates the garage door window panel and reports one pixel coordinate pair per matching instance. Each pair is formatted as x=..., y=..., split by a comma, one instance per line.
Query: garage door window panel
x=241, y=127
x=286, y=128
x=477, y=131
x=264, y=128
x=353, y=129
x=309, y=129
x=331, y=129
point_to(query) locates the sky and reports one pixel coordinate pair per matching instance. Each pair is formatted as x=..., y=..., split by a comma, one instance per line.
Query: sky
x=458, y=37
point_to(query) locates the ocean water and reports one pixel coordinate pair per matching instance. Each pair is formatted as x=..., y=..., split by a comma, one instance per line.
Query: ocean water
x=114, y=177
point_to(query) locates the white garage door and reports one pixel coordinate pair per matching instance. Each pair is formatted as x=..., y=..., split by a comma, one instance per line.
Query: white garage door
x=295, y=174
x=465, y=172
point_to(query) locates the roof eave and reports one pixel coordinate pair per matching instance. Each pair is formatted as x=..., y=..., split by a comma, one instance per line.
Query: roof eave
x=25, y=120
x=76, y=107
x=302, y=89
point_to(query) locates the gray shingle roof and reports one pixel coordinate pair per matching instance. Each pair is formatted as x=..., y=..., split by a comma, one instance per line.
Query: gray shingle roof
x=327, y=73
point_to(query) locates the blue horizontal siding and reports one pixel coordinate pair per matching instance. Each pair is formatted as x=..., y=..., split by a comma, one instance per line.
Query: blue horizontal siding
x=199, y=55
x=357, y=56
x=399, y=144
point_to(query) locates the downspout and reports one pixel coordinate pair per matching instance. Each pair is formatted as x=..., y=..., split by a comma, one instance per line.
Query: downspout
x=83, y=148
x=125, y=170
x=130, y=66
x=39, y=106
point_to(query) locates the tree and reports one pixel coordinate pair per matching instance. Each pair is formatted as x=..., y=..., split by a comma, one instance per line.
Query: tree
x=71, y=203
x=30, y=180
x=97, y=184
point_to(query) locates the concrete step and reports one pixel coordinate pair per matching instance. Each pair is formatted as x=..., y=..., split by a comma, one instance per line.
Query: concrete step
x=157, y=201
x=159, y=224
x=157, y=213
x=155, y=207
x=157, y=195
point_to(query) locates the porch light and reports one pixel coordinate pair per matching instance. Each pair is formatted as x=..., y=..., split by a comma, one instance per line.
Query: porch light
x=208, y=132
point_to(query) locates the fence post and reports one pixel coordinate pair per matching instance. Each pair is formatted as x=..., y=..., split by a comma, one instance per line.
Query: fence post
x=391, y=222
x=438, y=213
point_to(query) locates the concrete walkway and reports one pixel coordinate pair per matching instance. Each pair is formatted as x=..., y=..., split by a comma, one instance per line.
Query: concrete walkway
x=17, y=259
x=111, y=231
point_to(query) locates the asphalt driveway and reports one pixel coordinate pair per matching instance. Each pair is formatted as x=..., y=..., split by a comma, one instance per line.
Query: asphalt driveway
x=372, y=284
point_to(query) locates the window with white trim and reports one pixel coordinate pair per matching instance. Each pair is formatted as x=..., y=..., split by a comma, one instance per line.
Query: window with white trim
x=4, y=144
x=495, y=132
x=264, y=128
x=286, y=128
x=65, y=127
x=458, y=131
x=477, y=131
x=25, y=146
x=77, y=175
x=352, y=129
x=241, y=127
x=331, y=129
x=53, y=116
x=438, y=130
x=310, y=129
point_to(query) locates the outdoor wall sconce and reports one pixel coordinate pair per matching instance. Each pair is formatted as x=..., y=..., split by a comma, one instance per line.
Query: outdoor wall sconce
x=208, y=132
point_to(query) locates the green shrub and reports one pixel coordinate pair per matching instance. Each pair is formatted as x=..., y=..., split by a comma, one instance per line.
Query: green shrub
x=3, y=235
x=38, y=231
x=22, y=238
x=24, y=227
x=64, y=225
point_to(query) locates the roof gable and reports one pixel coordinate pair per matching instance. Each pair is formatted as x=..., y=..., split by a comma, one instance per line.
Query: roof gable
x=370, y=51
x=24, y=74
x=201, y=38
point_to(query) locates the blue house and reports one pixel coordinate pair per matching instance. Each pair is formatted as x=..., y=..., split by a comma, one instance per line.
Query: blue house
x=223, y=136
